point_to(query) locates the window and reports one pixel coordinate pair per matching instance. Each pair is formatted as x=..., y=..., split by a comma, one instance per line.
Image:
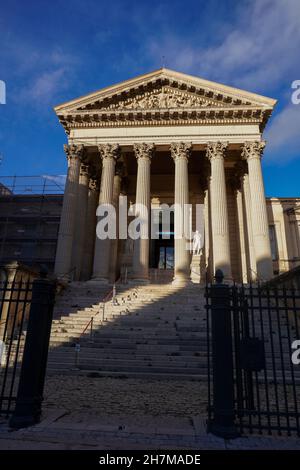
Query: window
x=273, y=241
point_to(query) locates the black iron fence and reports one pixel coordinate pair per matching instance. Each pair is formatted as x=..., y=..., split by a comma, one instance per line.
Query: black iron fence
x=253, y=334
x=15, y=299
x=26, y=314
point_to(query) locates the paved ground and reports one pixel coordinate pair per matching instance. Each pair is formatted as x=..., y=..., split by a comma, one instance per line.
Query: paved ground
x=104, y=413
x=114, y=396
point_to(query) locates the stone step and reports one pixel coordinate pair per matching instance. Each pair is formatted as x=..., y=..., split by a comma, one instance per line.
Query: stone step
x=130, y=368
x=134, y=362
x=129, y=336
x=149, y=375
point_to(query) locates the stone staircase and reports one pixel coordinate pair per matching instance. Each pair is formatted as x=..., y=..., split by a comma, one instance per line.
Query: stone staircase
x=153, y=330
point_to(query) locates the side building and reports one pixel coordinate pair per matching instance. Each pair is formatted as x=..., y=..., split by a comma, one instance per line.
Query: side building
x=30, y=209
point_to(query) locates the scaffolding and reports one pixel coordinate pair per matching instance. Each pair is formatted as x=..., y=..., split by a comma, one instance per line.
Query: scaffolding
x=30, y=208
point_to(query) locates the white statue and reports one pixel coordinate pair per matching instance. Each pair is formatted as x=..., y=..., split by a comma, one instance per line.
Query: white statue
x=197, y=243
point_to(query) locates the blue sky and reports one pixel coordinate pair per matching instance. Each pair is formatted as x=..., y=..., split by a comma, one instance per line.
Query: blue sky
x=51, y=52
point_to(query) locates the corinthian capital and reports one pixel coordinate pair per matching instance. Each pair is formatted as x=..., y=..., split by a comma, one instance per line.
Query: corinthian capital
x=73, y=151
x=109, y=151
x=253, y=149
x=216, y=150
x=144, y=150
x=181, y=150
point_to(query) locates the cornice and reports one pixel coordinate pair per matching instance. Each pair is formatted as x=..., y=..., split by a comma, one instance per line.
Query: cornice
x=179, y=117
x=177, y=79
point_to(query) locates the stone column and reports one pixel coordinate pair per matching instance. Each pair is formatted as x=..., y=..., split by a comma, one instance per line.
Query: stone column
x=207, y=230
x=252, y=153
x=241, y=229
x=180, y=153
x=251, y=260
x=90, y=231
x=293, y=228
x=143, y=153
x=68, y=216
x=219, y=211
x=81, y=222
x=114, y=265
x=109, y=154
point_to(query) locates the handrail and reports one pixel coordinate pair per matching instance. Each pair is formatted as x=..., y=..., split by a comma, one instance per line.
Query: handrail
x=102, y=302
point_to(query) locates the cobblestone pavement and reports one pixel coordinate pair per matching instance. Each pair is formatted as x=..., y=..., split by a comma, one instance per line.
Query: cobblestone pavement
x=130, y=396
x=109, y=413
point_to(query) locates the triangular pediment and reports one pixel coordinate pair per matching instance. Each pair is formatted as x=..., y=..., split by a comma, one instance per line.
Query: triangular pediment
x=162, y=97
x=165, y=89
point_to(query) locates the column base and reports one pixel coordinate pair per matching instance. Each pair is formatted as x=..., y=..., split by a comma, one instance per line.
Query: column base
x=181, y=281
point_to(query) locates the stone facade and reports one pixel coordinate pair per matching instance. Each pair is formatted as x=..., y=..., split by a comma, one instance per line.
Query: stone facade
x=167, y=137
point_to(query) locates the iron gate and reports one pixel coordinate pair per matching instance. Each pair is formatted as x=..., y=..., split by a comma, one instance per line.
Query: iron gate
x=15, y=299
x=253, y=375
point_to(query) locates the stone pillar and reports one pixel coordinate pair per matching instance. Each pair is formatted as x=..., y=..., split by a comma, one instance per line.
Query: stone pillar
x=252, y=153
x=219, y=211
x=114, y=265
x=251, y=260
x=293, y=228
x=207, y=230
x=109, y=154
x=90, y=232
x=81, y=222
x=68, y=216
x=241, y=229
x=180, y=153
x=143, y=153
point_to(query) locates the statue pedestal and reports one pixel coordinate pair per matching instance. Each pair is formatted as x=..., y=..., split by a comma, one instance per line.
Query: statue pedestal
x=196, y=269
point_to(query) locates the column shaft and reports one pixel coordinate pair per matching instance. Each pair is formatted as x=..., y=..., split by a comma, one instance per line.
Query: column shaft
x=180, y=153
x=251, y=260
x=114, y=265
x=208, y=230
x=68, y=216
x=241, y=227
x=293, y=227
x=219, y=210
x=81, y=215
x=252, y=153
x=109, y=153
x=90, y=231
x=143, y=153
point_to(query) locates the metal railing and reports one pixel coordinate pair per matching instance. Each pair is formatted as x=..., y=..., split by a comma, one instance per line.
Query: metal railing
x=111, y=294
x=253, y=383
x=14, y=309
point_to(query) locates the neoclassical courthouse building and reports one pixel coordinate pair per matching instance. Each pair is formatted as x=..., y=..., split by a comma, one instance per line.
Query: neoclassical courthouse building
x=163, y=138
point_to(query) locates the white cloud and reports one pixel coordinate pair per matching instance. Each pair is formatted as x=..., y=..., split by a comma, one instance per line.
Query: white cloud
x=256, y=51
x=283, y=136
x=45, y=87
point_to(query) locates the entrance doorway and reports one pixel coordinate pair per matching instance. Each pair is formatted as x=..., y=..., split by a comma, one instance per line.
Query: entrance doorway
x=162, y=248
x=166, y=257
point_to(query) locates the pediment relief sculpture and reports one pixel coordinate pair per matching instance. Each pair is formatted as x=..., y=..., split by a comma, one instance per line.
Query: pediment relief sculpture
x=164, y=98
